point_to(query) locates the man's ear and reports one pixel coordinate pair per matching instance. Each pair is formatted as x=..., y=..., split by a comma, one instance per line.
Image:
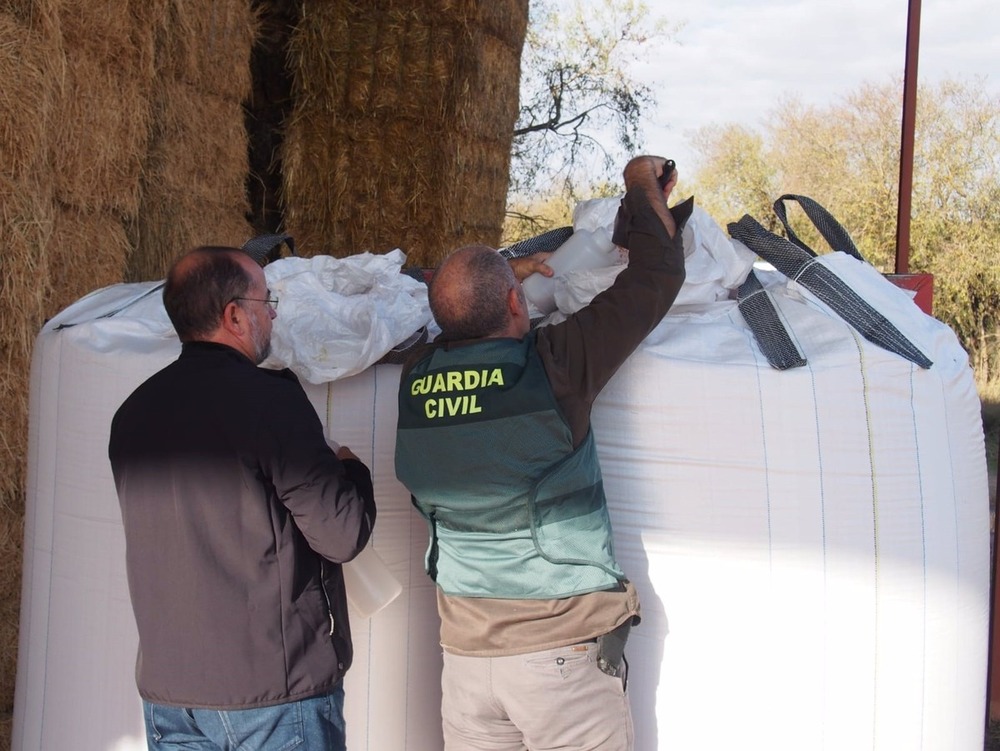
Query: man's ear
x=233, y=319
x=513, y=302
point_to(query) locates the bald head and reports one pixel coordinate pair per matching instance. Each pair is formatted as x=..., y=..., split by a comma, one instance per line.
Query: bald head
x=469, y=294
x=199, y=286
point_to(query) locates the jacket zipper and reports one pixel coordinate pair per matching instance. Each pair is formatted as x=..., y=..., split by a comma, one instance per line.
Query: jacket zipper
x=326, y=595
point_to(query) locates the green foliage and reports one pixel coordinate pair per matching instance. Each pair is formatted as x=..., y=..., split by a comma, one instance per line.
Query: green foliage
x=576, y=87
x=846, y=156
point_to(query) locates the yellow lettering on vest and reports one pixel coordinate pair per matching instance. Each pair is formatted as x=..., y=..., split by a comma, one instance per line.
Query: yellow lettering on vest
x=455, y=380
x=419, y=386
x=472, y=380
x=438, y=383
x=451, y=406
x=496, y=378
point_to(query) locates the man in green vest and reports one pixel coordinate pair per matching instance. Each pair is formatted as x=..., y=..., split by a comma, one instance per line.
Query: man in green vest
x=495, y=445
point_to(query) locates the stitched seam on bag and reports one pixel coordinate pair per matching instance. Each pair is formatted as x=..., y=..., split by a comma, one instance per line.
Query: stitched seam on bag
x=752, y=295
x=803, y=269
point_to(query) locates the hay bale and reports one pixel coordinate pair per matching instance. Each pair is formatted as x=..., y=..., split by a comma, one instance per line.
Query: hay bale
x=194, y=189
x=119, y=34
x=101, y=136
x=11, y=535
x=207, y=46
x=87, y=251
x=29, y=12
x=28, y=67
x=402, y=124
x=26, y=221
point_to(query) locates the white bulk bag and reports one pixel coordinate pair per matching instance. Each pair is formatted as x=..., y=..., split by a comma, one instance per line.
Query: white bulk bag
x=810, y=546
x=76, y=664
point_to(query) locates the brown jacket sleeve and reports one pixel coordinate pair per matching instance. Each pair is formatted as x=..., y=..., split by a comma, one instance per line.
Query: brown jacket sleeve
x=582, y=353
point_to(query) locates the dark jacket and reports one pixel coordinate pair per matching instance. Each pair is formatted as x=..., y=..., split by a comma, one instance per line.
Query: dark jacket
x=237, y=515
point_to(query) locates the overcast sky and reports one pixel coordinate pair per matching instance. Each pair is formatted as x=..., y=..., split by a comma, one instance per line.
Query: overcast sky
x=735, y=59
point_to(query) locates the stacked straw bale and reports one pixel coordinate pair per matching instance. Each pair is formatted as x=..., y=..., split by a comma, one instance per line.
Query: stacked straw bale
x=193, y=187
x=402, y=124
x=122, y=136
x=99, y=139
x=31, y=71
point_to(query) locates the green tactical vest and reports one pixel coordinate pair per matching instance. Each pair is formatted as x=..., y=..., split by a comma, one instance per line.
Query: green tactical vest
x=514, y=511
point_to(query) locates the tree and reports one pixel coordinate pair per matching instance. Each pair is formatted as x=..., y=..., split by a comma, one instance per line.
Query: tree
x=846, y=156
x=737, y=177
x=581, y=107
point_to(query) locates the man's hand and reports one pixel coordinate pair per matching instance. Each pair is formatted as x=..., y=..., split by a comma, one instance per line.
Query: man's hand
x=345, y=453
x=525, y=266
x=644, y=172
x=342, y=452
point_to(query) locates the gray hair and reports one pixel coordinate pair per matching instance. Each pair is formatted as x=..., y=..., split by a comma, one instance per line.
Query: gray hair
x=468, y=293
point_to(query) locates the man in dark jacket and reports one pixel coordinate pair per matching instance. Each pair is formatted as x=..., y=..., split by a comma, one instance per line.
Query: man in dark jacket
x=237, y=516
x=494, y=442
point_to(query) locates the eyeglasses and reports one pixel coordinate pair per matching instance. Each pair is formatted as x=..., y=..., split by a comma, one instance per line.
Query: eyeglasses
x=272, y=302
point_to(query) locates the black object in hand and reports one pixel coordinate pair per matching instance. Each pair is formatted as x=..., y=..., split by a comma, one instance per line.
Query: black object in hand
x=668, y=170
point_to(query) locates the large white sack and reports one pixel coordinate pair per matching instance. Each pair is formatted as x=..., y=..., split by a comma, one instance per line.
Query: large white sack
x=75, y=682
x=810, y=546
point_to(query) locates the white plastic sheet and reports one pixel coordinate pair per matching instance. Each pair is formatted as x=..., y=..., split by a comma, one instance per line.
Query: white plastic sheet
x=338, y=316
x=714, y=264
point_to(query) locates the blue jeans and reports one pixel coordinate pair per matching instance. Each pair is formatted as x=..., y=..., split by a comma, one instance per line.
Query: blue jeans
x=315, y=724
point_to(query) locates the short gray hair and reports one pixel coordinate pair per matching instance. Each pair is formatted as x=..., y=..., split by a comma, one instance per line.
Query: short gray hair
x=468, y=294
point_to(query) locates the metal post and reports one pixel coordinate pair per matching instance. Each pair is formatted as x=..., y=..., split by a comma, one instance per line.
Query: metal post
x=906, y=146
x=992, y=669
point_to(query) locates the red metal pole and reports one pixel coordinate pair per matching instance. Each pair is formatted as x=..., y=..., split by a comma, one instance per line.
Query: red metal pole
x=992, y=669
x=906, y=147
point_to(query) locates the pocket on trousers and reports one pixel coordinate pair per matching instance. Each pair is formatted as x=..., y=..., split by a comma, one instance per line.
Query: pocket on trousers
x=562, y=662
x=277, y=728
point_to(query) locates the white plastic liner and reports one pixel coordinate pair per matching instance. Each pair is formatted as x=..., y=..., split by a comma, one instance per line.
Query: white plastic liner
x=714, y=264
x=810, y=546
x=338, y=316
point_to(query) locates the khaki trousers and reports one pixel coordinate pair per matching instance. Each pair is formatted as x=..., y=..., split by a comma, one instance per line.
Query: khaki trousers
x=554, y=699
